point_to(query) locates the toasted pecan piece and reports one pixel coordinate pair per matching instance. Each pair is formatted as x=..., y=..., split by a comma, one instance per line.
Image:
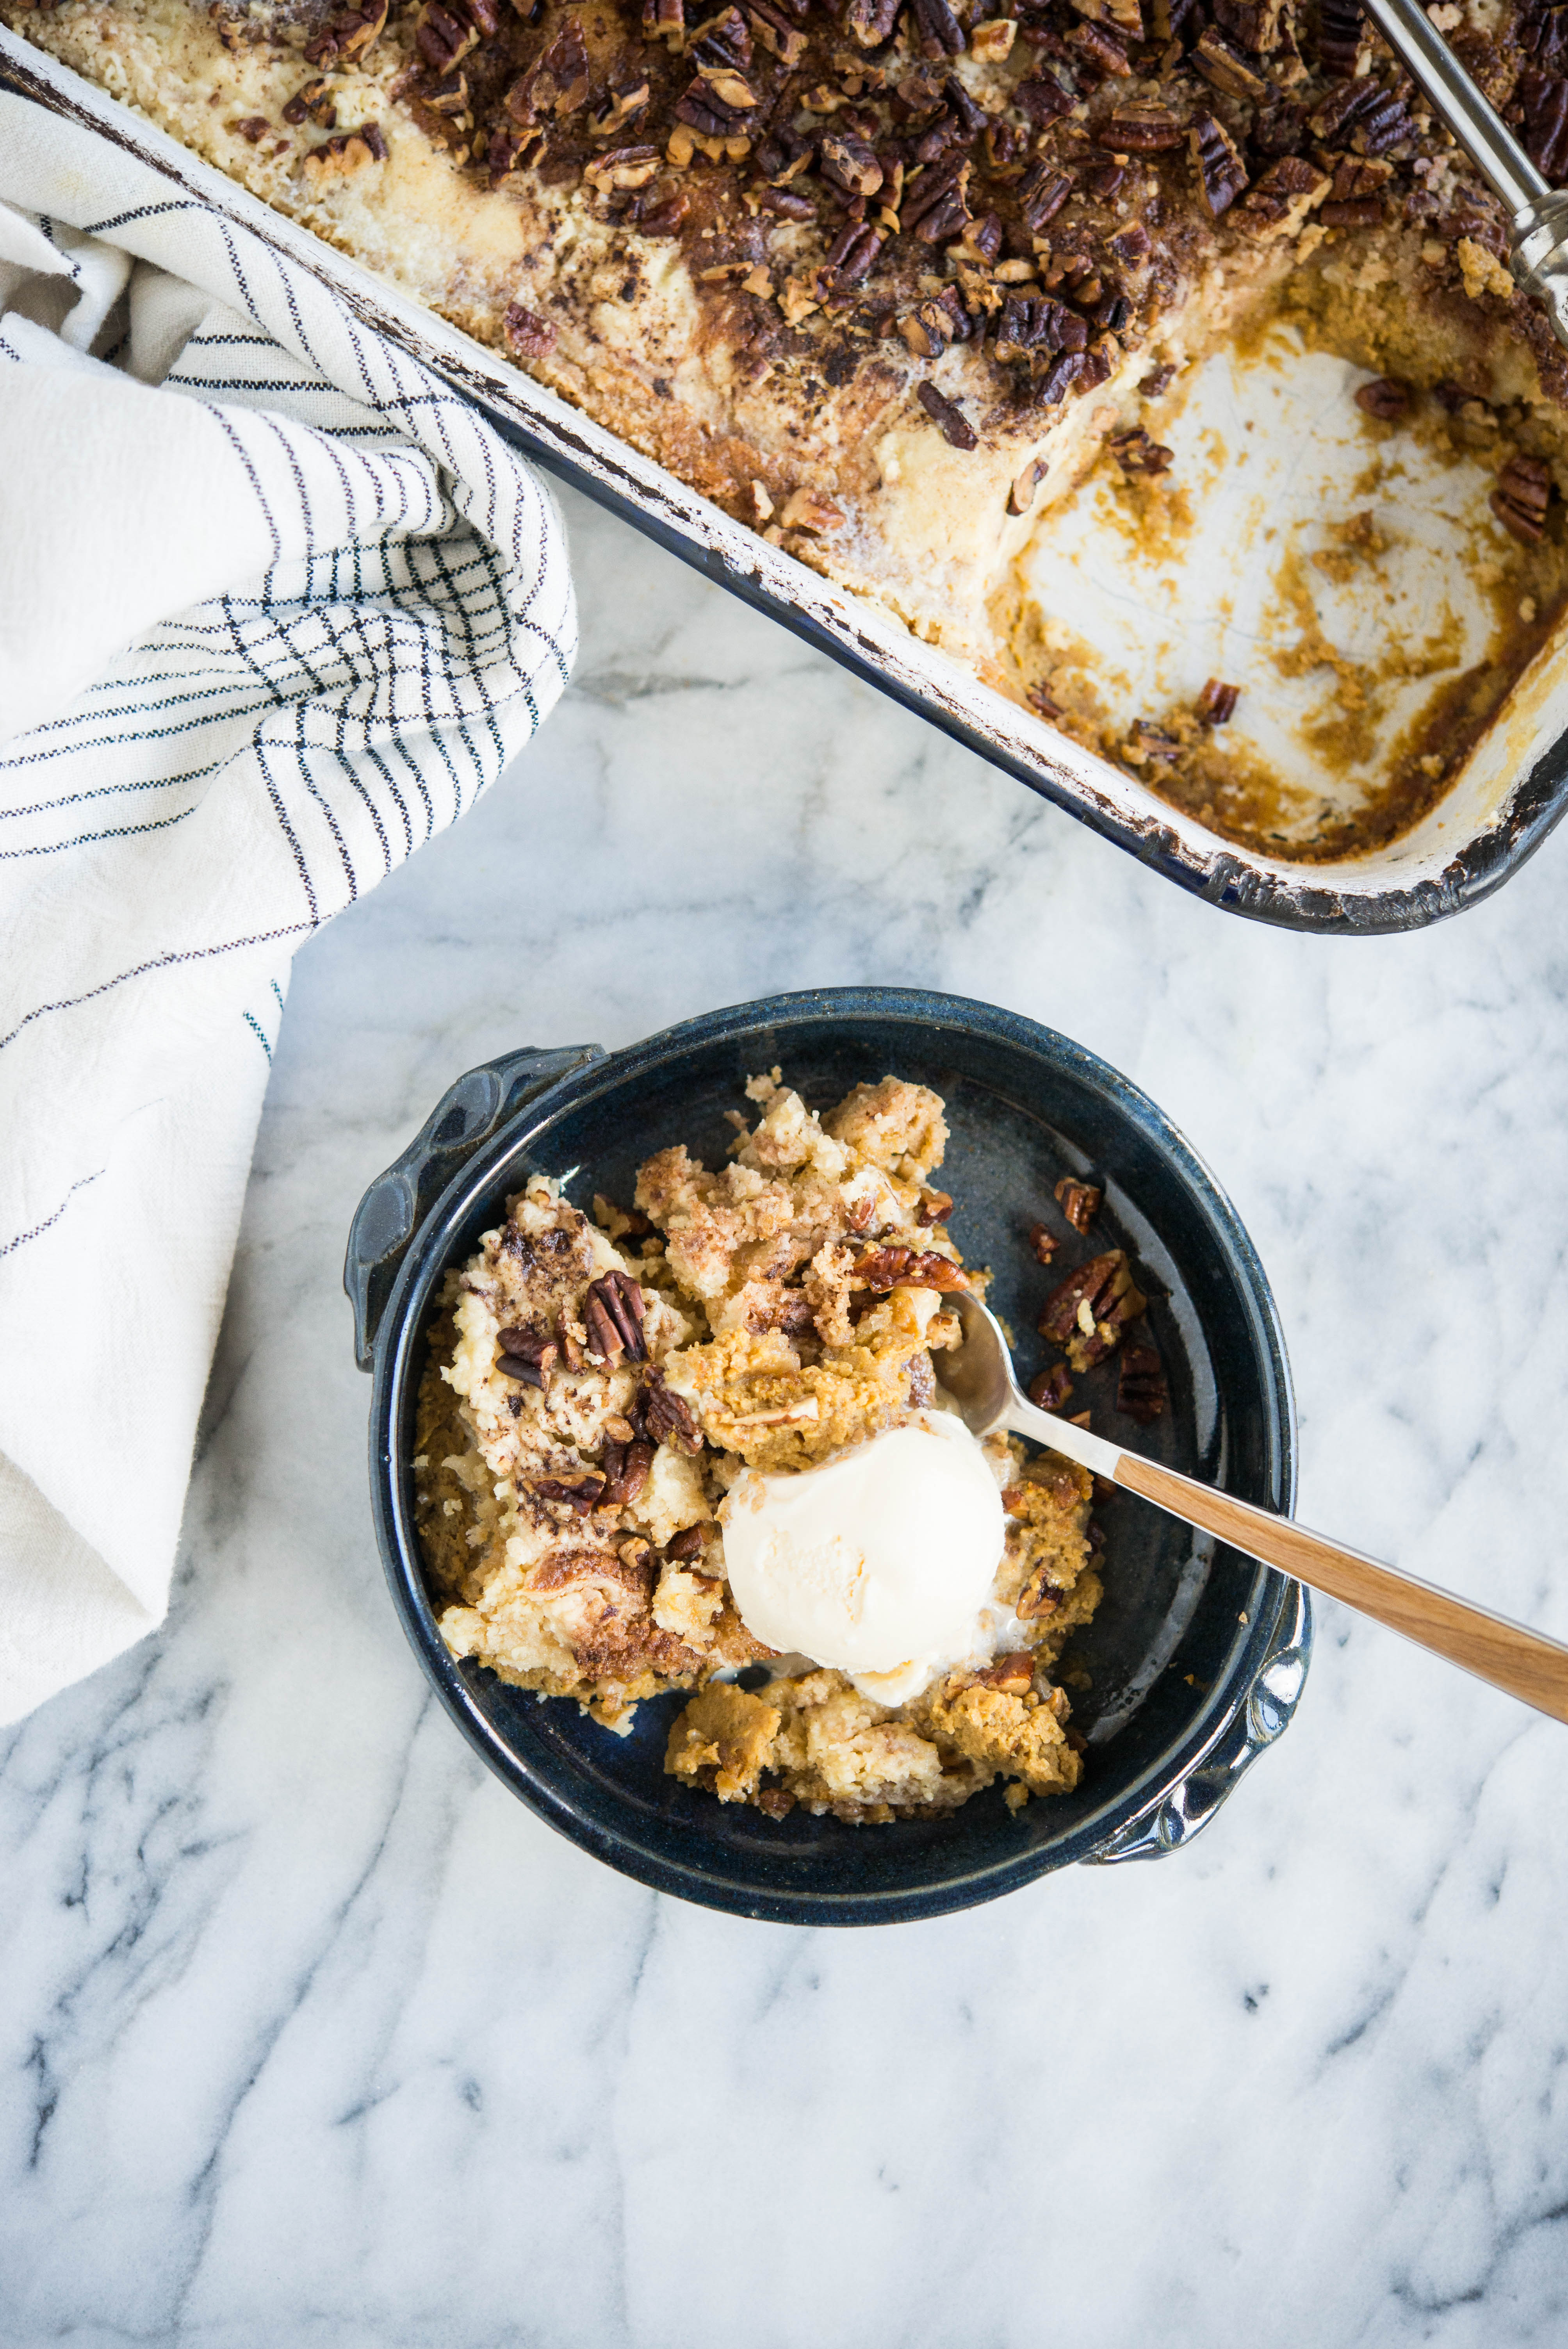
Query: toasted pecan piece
x=884, y=1268
x=1088, y=1312
x=613, y=1316
x=1522, y=494
x=1140, y=1389
x=1080, y=1202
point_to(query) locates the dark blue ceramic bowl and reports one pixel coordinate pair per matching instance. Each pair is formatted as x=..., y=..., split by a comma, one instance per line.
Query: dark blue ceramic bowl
x=1197, y=1655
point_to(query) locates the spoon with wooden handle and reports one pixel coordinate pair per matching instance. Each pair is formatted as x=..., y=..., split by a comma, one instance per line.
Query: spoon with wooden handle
x=978, y=1376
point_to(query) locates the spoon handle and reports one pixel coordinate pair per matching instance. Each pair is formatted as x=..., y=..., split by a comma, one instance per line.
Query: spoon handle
x=1526, y=1663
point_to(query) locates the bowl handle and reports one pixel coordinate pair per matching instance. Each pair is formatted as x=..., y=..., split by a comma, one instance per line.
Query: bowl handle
x=397, y=1202
x=1258, y=1720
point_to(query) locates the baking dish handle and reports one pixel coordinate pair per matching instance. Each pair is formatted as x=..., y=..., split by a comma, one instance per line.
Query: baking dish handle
x=1265, y=1714
x=397, y=1201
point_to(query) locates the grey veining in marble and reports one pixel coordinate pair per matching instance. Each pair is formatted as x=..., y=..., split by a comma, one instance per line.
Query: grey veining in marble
x=310, y=2035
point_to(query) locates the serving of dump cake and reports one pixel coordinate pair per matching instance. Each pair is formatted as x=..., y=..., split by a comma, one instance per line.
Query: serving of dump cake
x=887, y=278
x=605, y=1391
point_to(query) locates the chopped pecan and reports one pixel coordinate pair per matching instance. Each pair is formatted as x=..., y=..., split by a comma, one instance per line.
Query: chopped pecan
x=872, y=21
x=509, y=152
x=1080, y=1202
x=1125, y=15
x=1020, y=497
x=1051, y=1389
x=1042, y=99
x=579, y=1493
x=444, y=36
x=665, y=216
x=776, y=1802
x=937, y=29
x=685, y=1545
x=1031, y=321
x=948, y=417
x=612, y=1315
x=626, y=100
x=1140, y=1389
x=1216, y=161
x=849, y=163
x=1355, y=176
x=1059, y=378
x=527, y=336
x=557, y=81
x=993, y=40
x=1360, y=211
x=1044, y=1243
x=1039, y=1596
x=623, y=167
x=1255, y=23
x=906, y=1267
x=348, y=36
x=251, y=127
x=1100, y=51
x=1087, y=1315
x=1226, y=69
x=1042, y=193
x=935, y=1206
x=1147, y=741
x=935, y=205
x=853, y=252
x=928, y=329
x=665, y=20
x=783, y=156
x=350, y=152
x=1136, y=452
x=668, y=1416
x=1339, y=36
x=315, y=99
x=807, y=509
x=1522, y=494
x=1381, y=125
x=447, y=94
x=1284, y=195
x=1145, y=129
x=1012, y=1675
x=529, y=1353
x=626, y=1467
x=722, y=55
x=772, y=28
x=1217, y=703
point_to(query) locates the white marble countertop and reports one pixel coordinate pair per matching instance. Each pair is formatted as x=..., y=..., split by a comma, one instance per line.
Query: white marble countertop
x=313, y=2035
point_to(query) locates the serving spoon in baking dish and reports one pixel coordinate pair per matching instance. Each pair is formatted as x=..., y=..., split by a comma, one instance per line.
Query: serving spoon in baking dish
x=978, y=1377
x=1538, y=243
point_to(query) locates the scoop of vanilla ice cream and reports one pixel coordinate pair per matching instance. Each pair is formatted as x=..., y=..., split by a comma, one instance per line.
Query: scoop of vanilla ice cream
x=879, y=1563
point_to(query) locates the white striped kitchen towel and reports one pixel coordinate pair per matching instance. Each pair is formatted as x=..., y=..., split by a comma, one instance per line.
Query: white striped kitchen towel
x=276, y=606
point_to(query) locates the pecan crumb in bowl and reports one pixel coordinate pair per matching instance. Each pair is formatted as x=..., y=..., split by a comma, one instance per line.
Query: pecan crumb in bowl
x=594, y=1335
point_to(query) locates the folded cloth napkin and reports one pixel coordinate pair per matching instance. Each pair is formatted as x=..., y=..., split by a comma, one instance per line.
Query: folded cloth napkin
x=276, y=606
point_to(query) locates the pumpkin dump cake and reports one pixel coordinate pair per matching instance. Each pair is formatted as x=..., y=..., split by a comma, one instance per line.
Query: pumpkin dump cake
x=888, y=278
x=657, y=1445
